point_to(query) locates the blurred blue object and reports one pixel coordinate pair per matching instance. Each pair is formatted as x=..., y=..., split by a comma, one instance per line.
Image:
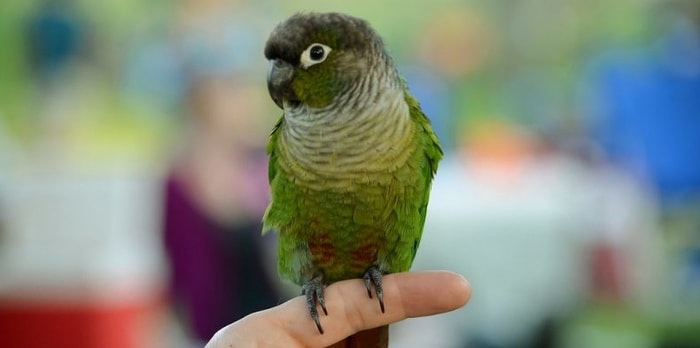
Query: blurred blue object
x=153, y=71
x=54, y=35
x=645, y=111
x=433, y=95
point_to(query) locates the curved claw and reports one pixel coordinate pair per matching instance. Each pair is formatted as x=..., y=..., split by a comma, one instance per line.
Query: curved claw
x=374, y=276
x=313, y=291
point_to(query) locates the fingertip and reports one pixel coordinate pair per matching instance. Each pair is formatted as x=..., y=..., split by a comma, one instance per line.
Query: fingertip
x=454, y=290
x=433, y=292
x=461, y=289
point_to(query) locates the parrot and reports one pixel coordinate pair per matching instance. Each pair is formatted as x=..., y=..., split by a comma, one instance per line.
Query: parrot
x=351, y=159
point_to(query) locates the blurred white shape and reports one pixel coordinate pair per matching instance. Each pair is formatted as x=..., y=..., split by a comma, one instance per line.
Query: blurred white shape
x=524, y=243
x=75, y=237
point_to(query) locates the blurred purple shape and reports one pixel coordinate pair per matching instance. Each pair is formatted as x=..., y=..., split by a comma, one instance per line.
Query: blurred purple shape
x=217, y=272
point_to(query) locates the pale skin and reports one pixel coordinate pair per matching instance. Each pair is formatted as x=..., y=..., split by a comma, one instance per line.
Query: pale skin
x=406, y=295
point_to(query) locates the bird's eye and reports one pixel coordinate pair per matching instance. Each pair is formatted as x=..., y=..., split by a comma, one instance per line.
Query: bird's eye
x=314, y=54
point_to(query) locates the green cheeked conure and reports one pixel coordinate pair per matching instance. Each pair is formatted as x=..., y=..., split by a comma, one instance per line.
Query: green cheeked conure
x=351, y=159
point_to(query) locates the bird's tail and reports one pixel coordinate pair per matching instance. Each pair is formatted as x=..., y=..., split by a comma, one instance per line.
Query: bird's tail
x=372, y=338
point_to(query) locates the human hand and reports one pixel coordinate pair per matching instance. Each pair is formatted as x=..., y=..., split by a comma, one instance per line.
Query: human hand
x=406, y=295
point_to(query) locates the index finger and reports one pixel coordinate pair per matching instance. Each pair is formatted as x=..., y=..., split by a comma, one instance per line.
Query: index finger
x=410, y=294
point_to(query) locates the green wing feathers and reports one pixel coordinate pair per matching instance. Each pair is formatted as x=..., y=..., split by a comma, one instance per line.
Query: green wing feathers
x=272, y=165
x=432, y=156
x=271, y=147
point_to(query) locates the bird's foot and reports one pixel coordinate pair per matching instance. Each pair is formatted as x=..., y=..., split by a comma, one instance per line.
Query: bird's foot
x=313, y=291
x=374, y=276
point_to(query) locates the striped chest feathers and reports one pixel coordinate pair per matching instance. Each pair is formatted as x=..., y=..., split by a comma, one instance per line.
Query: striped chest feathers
x=333, y=145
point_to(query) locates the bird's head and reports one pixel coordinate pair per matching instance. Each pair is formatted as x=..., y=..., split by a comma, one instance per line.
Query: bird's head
x=315, y=57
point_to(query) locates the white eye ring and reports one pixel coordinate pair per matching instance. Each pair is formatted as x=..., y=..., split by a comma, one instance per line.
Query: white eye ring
x=314, y=54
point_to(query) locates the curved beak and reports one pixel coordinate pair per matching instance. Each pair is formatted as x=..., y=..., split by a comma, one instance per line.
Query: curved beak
x=279, y=79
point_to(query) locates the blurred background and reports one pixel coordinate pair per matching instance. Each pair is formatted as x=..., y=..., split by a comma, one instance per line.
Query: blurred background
x=132, y=168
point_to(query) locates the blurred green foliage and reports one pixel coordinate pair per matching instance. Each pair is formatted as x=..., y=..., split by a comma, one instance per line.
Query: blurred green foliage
x=550, y=39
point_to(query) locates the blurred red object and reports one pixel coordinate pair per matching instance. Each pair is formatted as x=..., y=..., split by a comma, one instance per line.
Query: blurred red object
x=30, y=324
x=607, y=273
